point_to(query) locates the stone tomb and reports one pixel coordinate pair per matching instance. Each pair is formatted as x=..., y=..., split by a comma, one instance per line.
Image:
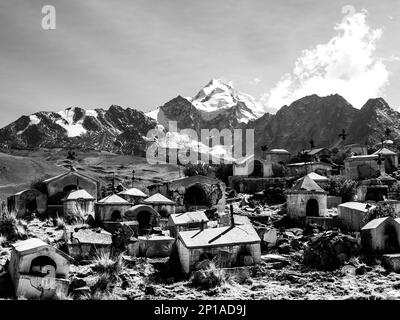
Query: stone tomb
x=83, y=242
x=352, y=215
x=39, y=270
x=233, y=246
x=381, y=235
x=306, y=199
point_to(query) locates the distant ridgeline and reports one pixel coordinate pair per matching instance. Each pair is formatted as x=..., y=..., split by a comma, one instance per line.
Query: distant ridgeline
x=219, y=106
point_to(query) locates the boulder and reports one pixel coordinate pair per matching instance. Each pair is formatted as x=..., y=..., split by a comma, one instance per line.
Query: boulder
x=329, y=250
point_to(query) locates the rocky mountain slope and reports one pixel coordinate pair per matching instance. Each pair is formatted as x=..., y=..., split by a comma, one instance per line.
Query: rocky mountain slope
x=312, y=117
x=372, y=120
x=114, y=129
x=322, y=119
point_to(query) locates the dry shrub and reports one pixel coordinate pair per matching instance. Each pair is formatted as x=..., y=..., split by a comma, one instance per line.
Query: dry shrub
x=102, y=283
x=59, y=223
x=106, y=263
x=209, y=277
x=12, y=228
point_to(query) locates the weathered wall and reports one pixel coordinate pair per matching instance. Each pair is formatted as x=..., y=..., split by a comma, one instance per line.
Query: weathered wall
x=352, y=219
x=333, y=201
x=353, y=168
x=104, y=212
x=58, y=185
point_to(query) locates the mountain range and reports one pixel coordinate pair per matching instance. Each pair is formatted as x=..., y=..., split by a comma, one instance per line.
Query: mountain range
x=217, y=105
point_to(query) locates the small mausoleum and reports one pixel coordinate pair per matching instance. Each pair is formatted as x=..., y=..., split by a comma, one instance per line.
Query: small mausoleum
x=111, y=208
x=164, y=206
x=60, y=186
x=381, y=235
x=79, y=203
x=133, y=195
x=352, y=215
x=186, y=221
x=39, y=270
x=306, y=199
x=231, y=246
x=27, y=202
x=145, y=215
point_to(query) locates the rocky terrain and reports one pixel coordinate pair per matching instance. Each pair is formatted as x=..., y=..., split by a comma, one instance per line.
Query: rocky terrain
x=115, y=129
x=283, y=273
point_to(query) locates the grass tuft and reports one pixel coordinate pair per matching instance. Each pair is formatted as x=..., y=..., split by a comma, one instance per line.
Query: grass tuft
x=104, y=262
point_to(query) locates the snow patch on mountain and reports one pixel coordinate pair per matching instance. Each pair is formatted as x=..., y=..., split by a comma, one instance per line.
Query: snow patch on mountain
x=91, y=113
x=153, y=114
x=74, y=129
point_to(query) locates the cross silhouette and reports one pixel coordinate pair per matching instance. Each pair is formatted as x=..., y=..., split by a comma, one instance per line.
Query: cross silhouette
x=343, y=135
x=264, y=148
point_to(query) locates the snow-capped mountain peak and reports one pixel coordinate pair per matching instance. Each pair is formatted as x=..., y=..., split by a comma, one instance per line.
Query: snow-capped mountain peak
x=219, y=95
x=218, y=101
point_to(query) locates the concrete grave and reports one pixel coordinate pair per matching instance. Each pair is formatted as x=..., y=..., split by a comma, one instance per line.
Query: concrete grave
x=352, y=214
x=83, y=242
x=155, y=246
x=232, y=246
x=39, y=270
x=381, y=235
x=79, y=203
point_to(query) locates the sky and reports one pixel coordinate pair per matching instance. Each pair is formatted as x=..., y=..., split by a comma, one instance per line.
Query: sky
x=143, y=53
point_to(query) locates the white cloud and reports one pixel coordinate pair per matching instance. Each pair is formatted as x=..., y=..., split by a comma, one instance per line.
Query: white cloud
x=346, y=65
